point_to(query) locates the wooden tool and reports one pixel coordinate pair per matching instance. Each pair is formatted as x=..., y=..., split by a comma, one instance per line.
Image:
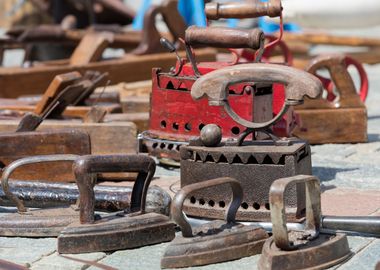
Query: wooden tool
x=343, y=118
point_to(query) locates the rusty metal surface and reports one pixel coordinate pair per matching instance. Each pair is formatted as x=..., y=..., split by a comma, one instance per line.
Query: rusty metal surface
x=245, y=9
x=256, y=165
x=306, y=249
x=129, y=229
x=216, y=241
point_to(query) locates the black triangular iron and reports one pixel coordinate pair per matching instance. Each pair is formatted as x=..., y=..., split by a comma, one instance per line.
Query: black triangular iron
x=34, y=223
x=216, y=241
x=129, y=229
x=307, y=249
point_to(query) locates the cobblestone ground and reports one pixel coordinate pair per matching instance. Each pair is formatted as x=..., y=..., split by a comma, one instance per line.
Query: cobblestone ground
x=350, y=175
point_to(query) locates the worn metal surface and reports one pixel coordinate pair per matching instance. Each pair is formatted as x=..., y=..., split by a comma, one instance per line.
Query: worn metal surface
x=241, y=10
x=129, y=229
x=38, y=194
x=215, y=241
x=34, y=223
x=306, y=249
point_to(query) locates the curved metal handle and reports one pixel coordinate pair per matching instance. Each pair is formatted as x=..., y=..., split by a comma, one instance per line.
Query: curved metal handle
x=241, y=10
x=337, y=64
x=178, y=200
x=277, y=208
x=224, y=37
x=8, y=170
x=214, y=86
x=86, y=167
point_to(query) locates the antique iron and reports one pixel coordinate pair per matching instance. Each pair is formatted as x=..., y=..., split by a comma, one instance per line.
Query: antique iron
x=216, y=241
x=306, y=249
x=341, y=117
x=175, y=117
x=128, y=229
x=256, y=164
x=34, y=223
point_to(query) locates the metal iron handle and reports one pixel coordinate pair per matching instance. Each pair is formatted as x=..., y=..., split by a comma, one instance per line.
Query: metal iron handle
x=241, y=10
x=214, y=86
x=86, y=167
x=277, y=208
x=224, y=37
x=177, y=204
x=8, y=170
x=337, y=65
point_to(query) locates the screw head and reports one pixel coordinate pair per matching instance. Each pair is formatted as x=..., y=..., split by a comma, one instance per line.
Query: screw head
x=211, y=135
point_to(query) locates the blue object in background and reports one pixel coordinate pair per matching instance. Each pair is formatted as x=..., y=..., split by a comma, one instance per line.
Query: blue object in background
x=191, y=10
x=271, y=27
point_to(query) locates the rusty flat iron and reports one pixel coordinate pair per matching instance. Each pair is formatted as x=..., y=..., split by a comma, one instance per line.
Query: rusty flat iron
x=306, y=249
x=216, y=241
x=129, y=229
x=34, y=223
x=255, y=163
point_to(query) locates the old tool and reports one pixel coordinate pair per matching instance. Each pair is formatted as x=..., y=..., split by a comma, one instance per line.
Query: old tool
x=306, y=249
x=175, y=117
x=341, y=117
x=38, y=194
x=34, y=223
x=129, y=229
x=16, y=145
x=216, y=241
x=256, y=163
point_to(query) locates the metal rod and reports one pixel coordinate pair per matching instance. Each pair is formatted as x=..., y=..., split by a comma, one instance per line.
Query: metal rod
x=364, y=224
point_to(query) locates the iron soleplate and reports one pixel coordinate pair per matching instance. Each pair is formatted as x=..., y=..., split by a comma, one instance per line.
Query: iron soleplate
x=115, y=233
x=325, y=251
x=229, y=244
x=38, y=223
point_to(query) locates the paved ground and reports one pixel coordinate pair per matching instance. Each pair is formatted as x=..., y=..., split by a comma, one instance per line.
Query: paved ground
x=350, y=176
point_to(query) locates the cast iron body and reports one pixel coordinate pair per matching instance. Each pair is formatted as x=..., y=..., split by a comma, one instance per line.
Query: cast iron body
x=215, y=241
x=129, y=229
x=307, y=249
x=256, y=164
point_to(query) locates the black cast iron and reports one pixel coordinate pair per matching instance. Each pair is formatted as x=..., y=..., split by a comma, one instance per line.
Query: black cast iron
x=129, y=229
x=215, y=241
x=306, y=249
x=256, y=164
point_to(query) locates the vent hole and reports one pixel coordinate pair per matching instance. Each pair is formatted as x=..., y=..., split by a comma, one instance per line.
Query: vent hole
x=202, y=202
x=175, y=126
x=237, y=160
x=267, y=206
x=211, y=203
x=170, y=146
x=282, y=160
x=193, y=200
x=201, y=126
x=163, y=124
x=223, y=159
x=256, y=206
x=268, y=160
x=252, y=160
x=155, y=145
x=177, y=148
x=244, y=205
x=209, y=158
x=187, y=127
x=222, y=204
x=162, y=145
x=235, y=130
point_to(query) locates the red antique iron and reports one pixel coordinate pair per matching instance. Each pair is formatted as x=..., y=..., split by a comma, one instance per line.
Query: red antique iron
x=255, y=163
x=175, y=117
x=306, y=249
x=128, y=229
x=216, y=241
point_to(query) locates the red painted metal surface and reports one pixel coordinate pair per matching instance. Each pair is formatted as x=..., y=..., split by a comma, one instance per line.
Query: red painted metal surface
x=176, y=116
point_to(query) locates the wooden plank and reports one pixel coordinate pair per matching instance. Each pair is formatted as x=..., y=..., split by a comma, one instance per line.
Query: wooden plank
x=25, y=144
x=322, y=126
x=135, y=104
x=15, y=82
x=106, y=138
x=141, y=119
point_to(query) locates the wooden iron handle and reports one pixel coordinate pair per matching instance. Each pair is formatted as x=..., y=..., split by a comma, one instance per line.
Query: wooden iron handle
x=223, y=37
x=252, y=9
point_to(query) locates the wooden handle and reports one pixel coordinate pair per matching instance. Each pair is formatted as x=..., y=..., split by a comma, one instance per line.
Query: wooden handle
x=222, y=37
x=252, y=9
